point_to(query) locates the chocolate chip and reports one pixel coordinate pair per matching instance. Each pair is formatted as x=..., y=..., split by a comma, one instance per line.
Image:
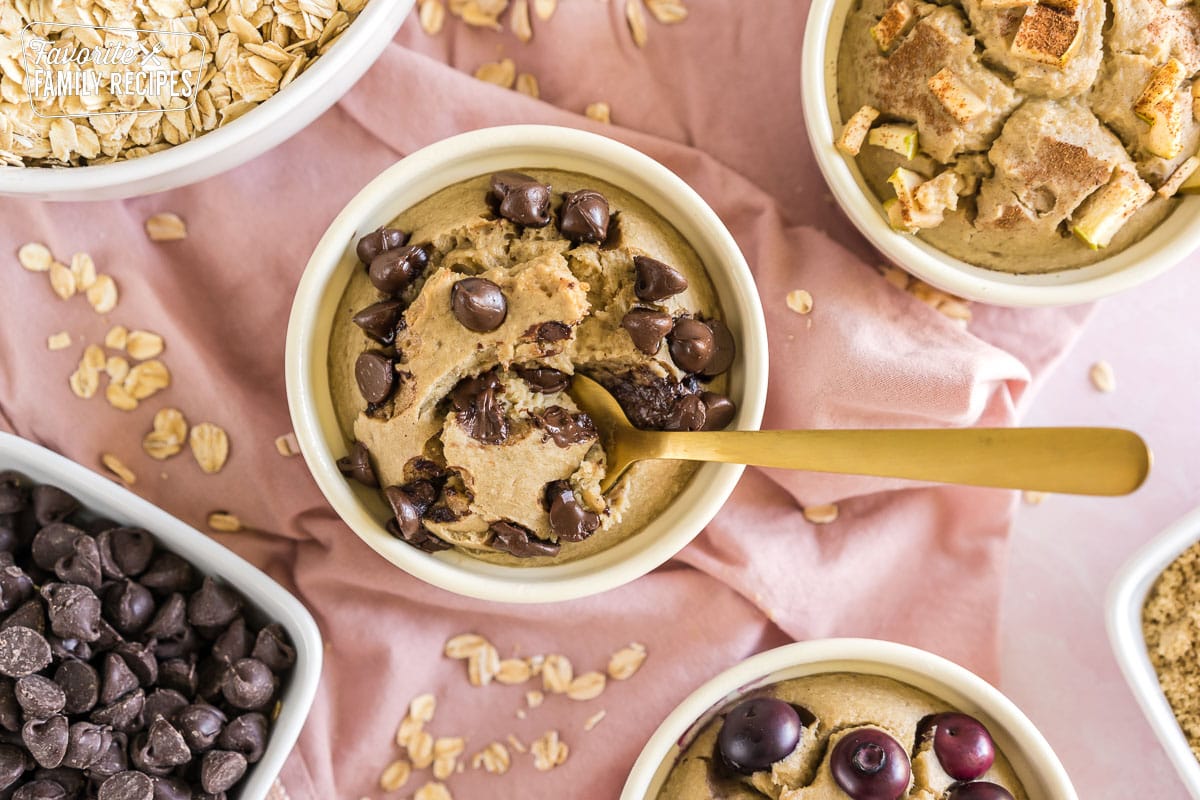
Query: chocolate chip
x=565, y=428
x=69, y=648
x=179, y=675
x=127, y=785
x=129, y=606
x=544, y=380
x=81, y=565
x=655, y=280
x=163, y=748
x=357, y=465
x=163, y=703
x=14, y=497
x=247, y=735
x=168, y=573
x=53, y=542
x=249, y=684
x=583, y=217
x=15, y=587
x=424, y=540
x=46, y=740
x=478, y=410
x=379, y=320
x=10, y=709
x=51, y=504
x=569, y=520
x=108, y=563
x=22, y=652
x=214, y=605
x=200, y=725
x=41, y=790
x=724, y=350
x=170, y=620
x=375, y=374
x=141, y=660
x=29, y=614
x=647, y=328
x=13, y=763
x=719, y=411
x=125, y=715
x=691, y=343
x=393, y=270
x=132, y=549
x=117, y=680
x=478, y=304
x=689, y=414
x=39, y=697
x=519, y=541
x=113, y=760
x=233, y=643
x=74, y=611
x=183, y=644
x=271, y=647
x=377, y=241
x=521, y=199
x=80, y=684
x=86, y=744
x=220, y=770
x=171, y=789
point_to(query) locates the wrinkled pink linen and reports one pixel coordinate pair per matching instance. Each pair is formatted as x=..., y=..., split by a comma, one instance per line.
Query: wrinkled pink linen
x=717, y=100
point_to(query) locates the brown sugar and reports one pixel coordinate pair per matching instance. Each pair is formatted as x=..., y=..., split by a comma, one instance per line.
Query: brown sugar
x=1171, y=625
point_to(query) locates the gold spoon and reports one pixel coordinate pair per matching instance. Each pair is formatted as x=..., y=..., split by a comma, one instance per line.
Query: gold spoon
x=1096, y=461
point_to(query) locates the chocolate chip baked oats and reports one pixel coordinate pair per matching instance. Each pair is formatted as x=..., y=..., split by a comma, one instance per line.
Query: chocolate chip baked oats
x=455, y=343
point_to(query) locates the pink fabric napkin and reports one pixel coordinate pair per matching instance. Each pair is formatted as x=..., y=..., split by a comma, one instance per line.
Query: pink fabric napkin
x=717, y=100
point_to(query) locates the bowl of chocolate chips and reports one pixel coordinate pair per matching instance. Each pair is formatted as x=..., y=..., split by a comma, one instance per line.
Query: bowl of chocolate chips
x=440, y=323
x=855, y=718
x=139, y=659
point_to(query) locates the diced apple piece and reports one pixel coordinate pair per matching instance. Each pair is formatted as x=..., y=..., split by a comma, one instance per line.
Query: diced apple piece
x=891, y=207
x=1180, y=178
x=901, y=139
x=1167, y=128
x=907, y=212
x=1163, y=83
x=940, y=193
x=956, y=97
x=1047, y=36
x=905, y=182
x=895, y=22
x=856, y=129
x=1110, y=207
x=1191, y=185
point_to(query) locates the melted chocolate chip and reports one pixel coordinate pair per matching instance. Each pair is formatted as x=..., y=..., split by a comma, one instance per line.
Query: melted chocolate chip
x=375, y=374
x=565, y=428
x=647, y=399
x=724, y=349
x=478, y=304
x=583, y=217
x=655, y=280
x=521, y=199
x=569, y=520
x=647, y=328
x=357, y=465
x=424, y=540
x=719, y=411
x=377, y=241
x=689, y=414
x=544, y=380
x=393, y=270
x=691, y=343
x=479, y=410
x=519, y=541
x=379, y=320
x=552, y=332
x=406, y=512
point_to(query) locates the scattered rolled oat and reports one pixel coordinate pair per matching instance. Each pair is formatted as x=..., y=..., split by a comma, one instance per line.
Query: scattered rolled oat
x=84, y=382
x=116, y=467
x=168, y=436
x=147, y=378
x=103, y=294
x=482, y=665
x=116, y=337
x=210, y=446
x=548, y=751
x=119, y=398
x=821, y=515
x=494, y=758
x=446, y=751
x=513, y=671
x=626, y=661
x=587, y=686
x=395, y=776
x=1033, y=498
x=224, y=521
x=668, y=12
x=117, y=368
x=463, y=645
x=433, y=791
x=168, y=227
x=599, y=112
x=594, y=720
x=534, y=698
x=432, y=15
x=420, y=749
x=800, y=301
x=422, y=707
x=527, y=84
x=544, y=8
x=93, y=358
x=62, y=280
x=557, y=674
x=479, y=13
x=59, y=341
x=519, y=20
x=1103, y=377
x=143, y=344
x=35, y=257
x=83, y=268
x=502, y=73
x=287, y=445
x=636, y=17
x=516, y=744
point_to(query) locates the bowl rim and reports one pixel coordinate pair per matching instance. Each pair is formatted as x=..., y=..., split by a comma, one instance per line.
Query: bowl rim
x=118, y=503
x=291, y=109
x=1164, y=247
x=869, y=656
x=456, y=572
x=1126, y=598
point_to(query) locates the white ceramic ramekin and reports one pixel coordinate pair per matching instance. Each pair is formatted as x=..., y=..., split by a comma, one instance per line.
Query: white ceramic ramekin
x=102, y=496
x=1026, y=749
x=1161, y=249
x=1126, y=598
x=251, y=135
x=422, y=174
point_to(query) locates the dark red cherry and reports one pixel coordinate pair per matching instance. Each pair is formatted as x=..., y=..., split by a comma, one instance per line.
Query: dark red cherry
x=981, y=790
x=870, y=765
x=962, y=744
x=757, y=733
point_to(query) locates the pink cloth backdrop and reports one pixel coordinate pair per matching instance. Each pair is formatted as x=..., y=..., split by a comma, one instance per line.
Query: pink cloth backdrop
x=717, y=100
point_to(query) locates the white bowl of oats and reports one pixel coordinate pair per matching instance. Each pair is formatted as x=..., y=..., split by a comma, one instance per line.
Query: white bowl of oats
x=103, y=105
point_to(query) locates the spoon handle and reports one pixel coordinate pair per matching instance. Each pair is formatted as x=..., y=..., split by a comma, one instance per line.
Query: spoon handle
x=1094, y=461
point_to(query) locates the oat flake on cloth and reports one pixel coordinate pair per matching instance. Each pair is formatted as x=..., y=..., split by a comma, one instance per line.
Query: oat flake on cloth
x=717, y=100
